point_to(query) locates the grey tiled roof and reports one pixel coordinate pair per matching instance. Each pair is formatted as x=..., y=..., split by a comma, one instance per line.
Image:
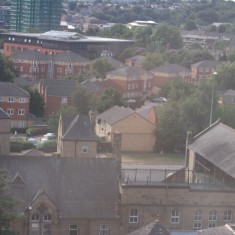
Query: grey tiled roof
x=24, y=82
x=69, y=56
x=32, y=55
x=10, y=89
x=80, y=188
x=175, y=69
x=129, y=72
x=217, y=145
x=60, y=87
x=115, y=114
x=80, y=129
x=114, y=62
x=4, y=115
x=207, y=64
x=139, y=59
x=220, y=230
x=153, y=228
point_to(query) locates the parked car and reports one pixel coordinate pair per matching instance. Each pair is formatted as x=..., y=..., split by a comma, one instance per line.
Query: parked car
x=33, y=141
x=131, y=101
x=159, y=100
x=49, y=135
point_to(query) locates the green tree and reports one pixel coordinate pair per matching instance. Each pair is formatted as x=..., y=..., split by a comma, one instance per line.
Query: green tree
x=226, y=113
x=53, y=120
x=168, y=35
x=100, y=67
x=153, y=60
x=8, y=203
x=231, y=56
x=109, y=99
x=190, y=25
x=36, y=103
x=6, y=68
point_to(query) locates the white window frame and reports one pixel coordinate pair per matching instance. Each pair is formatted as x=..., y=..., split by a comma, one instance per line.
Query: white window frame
x=21, y=112
x=22, y=100
x=175, y=216
x=104, y=229
x=85, y=149
x=10, y=111
x=197, y=223
x=228, y=216
x=46, y=229
x=133, y=219
x=47, y=217
x=64, y=100
x=212, y=220
x=10, y=99
x=21, y=124
x=73, y=230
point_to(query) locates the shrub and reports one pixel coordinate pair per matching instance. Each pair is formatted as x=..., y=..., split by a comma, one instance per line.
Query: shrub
x=18, y=130
x=48, y=146
x=36, y=131
x=18, y=145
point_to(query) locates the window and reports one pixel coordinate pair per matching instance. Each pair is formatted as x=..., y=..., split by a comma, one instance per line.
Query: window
x=228, y=216
x=46, y=230
x=22, y=100
x=10, y=111
x=84, y=149
x=175, y=216
x=11, y=99
x=21, y=124
x=64, y=100
x=212, y=219
x=104, y=229
x=47, y=217
x=129, y=86
x=20, y=111
x=35, y=217
x=73, y=229
x=197, y=223
x=133, y=216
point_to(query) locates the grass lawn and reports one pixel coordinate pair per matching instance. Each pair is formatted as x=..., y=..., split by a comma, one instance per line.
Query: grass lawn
x=145, y=158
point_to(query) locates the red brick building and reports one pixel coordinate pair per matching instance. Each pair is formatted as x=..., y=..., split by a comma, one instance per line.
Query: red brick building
x=36, y=65
x=15, y=101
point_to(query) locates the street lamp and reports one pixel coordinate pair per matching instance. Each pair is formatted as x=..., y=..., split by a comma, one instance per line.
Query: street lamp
x=29, y=209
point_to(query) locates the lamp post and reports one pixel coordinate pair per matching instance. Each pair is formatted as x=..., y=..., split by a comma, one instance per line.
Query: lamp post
x=29, y=209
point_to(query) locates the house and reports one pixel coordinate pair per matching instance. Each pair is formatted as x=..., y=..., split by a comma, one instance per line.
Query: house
x=64, y=196
x=15, y=102
x=227, y=96
x=227, y=229
x=132, y=81
x=56, y=93
x=76, y=137
x=135, y=61
x=137, y=131
x=168, y=72
x=36, y=65
x=5, y=130
x=204, y=69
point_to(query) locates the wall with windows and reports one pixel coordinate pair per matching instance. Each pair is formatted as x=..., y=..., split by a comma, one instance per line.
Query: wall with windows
x=176, y=207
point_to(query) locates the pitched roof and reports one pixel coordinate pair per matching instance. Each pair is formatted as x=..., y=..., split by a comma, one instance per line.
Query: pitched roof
x=174, y=69
x=59, y=87
x=151, y=229
x=225, y=230
x=80, y=188
x=229, y=92
x=115, y=114
x=207, y=64
x=217, y=145
x=114, y=62
x=79, y=129
x=139, y=59
x=4, y=115
x=32, y=55
x=129, y=72
x=10, y=89
x=69, y=57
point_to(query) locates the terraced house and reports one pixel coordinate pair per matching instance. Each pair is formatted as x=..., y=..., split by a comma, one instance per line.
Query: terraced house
x=15, y=102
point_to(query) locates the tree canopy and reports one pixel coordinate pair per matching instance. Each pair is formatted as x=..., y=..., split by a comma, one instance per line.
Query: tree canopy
x=36, y=103
x=100, y=67
x=6, y=68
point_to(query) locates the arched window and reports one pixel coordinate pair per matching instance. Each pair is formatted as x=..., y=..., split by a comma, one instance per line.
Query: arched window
x=47, y=217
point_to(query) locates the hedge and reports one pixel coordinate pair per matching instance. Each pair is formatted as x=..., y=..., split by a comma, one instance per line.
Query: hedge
x=18, y=145
x=48, y=146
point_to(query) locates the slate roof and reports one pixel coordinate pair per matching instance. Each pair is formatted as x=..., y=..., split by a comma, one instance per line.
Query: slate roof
x=115, y=114
x=4, y=115
x=139, y=59
x=219, y=230
x=59, y=87
x=217, y=145
x=24, y=82
x=153, y=228
x=69, y=57
x=129, y=72
x=93, y=86
x=10, y=89
x=80, y=188
x=32, y=55
x=114, y=62
x=207, y=64
x=80, y=129
x=174, y=69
